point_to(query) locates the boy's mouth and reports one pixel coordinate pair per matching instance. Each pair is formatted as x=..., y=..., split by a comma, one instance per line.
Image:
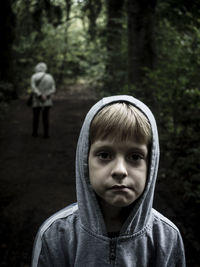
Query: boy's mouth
x=120, y=187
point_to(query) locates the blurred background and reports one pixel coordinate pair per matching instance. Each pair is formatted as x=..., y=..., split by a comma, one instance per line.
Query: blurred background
x=95, y=48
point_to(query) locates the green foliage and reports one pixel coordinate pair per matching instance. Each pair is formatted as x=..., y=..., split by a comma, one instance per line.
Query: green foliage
x=175, y=99
x=65, y=47
x=171, y=89
x=188, y=144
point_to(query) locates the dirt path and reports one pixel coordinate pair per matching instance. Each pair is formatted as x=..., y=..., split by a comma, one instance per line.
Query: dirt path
x=37, y=175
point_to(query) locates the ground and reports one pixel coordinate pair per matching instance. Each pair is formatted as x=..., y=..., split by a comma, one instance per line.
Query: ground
x=37, y=175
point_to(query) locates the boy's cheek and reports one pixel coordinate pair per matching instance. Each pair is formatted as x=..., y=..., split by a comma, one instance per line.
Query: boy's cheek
x=94, y=184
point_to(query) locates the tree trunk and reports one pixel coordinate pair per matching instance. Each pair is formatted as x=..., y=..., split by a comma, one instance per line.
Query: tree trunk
x=113, y=43
x=141, y=48
x=68, y=8
x=6, y=40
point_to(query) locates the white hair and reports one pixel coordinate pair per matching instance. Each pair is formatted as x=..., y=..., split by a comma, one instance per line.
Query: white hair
x=41, y=67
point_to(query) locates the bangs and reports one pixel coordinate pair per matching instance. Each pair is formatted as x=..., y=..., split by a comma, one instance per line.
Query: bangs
x=120, y=122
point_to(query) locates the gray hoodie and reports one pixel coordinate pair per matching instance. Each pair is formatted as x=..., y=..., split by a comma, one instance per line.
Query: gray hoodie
x=77, y=236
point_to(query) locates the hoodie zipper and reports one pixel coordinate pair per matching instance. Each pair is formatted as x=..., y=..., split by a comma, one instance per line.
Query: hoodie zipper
x=112, y=251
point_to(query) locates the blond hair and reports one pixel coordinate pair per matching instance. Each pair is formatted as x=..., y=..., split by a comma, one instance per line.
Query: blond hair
x=120, y=122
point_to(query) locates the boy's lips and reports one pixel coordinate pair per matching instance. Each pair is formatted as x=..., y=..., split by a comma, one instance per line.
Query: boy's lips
x=120, y=187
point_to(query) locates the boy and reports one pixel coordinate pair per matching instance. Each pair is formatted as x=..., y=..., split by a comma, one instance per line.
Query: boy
x=113, y=223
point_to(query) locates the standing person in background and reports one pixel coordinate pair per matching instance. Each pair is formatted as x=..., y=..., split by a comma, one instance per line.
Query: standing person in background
x=42, y=86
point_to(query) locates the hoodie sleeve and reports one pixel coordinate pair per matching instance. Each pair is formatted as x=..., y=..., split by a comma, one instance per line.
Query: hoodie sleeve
x=180, y=253
x=40, y=253
x=41, y=258
x=44, y=253
x=34, y=88
x=51, y=249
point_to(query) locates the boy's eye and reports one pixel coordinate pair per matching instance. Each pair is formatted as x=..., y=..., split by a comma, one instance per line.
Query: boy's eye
x=135, y=157
x=104, y=155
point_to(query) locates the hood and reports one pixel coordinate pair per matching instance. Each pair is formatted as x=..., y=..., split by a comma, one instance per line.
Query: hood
x=89, y=210
x=41, y=67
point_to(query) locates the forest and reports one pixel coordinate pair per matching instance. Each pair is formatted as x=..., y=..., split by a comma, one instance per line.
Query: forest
x=148, y=49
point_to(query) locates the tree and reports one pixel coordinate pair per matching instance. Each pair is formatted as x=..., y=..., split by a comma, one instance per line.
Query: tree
x=7, y=33
x=141, y=45
x=114, y=60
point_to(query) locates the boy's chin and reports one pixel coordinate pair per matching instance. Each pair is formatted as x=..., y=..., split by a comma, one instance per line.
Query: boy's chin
x=122, y=202
x=119, y=203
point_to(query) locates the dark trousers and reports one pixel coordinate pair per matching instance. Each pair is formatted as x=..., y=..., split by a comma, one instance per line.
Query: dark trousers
x=45, y=119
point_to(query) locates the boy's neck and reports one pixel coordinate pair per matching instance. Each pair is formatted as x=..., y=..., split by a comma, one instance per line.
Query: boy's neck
x=114, y=217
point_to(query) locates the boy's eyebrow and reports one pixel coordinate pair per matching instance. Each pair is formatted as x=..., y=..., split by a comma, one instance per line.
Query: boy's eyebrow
x=143, y=150
x=139, y=148
x=103, y=147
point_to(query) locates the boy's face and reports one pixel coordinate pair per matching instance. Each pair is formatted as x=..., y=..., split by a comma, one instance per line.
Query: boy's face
x=118, y=171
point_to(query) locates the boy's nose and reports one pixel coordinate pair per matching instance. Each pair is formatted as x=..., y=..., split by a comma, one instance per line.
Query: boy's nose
x=119, y=170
